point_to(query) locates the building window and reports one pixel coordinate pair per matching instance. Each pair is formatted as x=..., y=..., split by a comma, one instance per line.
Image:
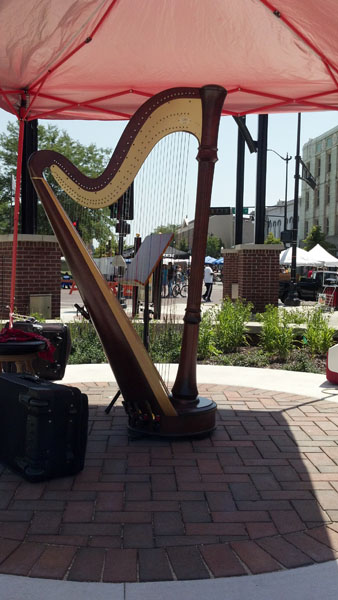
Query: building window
x=306, y=228
x=326, y=227
x=316, y=199
x=318, y=147
x=307, y=201
x=328, y=162
x=327, y=193
x=329, y=142
x=317, y=167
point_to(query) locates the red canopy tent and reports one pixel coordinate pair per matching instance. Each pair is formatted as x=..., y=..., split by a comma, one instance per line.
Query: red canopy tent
x=100, y=59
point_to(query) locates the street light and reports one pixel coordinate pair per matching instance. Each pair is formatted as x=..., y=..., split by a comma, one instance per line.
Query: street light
x=286, y=160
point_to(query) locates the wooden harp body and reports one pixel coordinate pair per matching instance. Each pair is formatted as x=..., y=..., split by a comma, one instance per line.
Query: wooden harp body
x=149, y=405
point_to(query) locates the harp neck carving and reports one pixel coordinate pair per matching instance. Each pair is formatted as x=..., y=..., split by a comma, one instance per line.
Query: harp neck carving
x=175, y=110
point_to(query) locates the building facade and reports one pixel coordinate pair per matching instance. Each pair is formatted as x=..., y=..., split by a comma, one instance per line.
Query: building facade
x=275, y=216
x=320, y=206
x=220, y=226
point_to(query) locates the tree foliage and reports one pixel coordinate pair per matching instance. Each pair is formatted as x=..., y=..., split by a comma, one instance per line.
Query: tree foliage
x=183, y=245
x=214, y=245
x=89, y=159
x=316, y=236
x=271, y=239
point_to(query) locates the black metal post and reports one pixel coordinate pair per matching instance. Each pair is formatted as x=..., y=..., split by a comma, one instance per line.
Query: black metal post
x=29, y=201
x=292, y=298
x=261, y=179
x=137, y=244
x=146, y=317
x=156, y=289
x=120, y=269
x=286, y=160
x=286, y=190
x=239, y=186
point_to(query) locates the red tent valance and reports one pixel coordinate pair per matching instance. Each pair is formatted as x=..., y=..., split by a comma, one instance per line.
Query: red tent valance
x=99, y=59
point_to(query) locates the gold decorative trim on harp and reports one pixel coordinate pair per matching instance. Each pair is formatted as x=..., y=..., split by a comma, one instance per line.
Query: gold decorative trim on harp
x=149, y=405
x=177, y=114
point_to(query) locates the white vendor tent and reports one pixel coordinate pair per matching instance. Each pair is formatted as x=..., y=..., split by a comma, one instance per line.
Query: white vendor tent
x=302, y=257
x=322, y=257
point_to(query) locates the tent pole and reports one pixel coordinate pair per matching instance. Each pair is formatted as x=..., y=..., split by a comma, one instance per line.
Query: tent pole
x=16, y=219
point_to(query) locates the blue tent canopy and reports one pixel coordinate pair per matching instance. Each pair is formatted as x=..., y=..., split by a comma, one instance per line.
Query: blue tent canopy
x=209, y=260
x=219, y=261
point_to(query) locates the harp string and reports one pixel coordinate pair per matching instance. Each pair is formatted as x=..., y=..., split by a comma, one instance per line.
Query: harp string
x=159, y=200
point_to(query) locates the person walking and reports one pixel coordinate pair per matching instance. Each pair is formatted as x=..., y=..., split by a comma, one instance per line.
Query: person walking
x=208, y=281
x=171, y=278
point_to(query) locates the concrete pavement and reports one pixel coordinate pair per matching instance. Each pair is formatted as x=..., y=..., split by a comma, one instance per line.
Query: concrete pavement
x=42, y=554
x=280, y=538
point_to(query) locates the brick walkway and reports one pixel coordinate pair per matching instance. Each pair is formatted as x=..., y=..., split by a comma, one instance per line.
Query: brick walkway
x=259, y=495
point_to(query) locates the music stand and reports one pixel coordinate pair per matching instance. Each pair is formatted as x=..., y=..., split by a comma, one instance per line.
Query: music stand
x=139, y=272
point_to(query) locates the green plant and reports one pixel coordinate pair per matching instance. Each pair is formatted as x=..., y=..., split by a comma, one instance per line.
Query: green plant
x=86, y=346
x=318, y=335
x=255, y=358
x=301, y=361
x=164, y=342
x=38, y=317
x=230, y=325
x=294, y=316
x=276, y=337
x=271, y=239
x=206, y=337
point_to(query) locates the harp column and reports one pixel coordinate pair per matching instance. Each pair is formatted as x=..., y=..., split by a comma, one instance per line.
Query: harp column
x=212, y=97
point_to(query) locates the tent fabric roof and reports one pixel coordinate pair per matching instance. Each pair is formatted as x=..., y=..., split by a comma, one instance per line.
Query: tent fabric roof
x=321, y=256
x=302, y=257
x=100, y=59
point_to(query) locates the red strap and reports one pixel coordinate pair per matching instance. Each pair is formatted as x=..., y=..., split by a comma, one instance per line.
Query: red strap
x=17, y=335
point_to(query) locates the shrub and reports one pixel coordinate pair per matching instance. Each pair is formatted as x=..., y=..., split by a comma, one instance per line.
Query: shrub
x=255, y=358
x=318, y=336
x=276, y=337
x=165, y=343
x=301, y=361
x=230, y=325
x=206, y=337
x=86, y=346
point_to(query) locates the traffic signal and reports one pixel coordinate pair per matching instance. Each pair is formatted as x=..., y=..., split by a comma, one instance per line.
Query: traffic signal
x=76, y=224
x=123, y=209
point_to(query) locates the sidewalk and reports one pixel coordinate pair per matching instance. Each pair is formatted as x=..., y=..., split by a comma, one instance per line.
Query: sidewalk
x=251, y=511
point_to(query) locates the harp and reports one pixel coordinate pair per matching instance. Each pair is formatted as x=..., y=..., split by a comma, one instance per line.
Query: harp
x=151, y=408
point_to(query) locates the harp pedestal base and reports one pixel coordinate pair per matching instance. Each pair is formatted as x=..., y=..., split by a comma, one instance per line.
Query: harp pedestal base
x=192, y=419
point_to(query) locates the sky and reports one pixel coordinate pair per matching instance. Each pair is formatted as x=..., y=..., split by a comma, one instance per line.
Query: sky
x=282, y=130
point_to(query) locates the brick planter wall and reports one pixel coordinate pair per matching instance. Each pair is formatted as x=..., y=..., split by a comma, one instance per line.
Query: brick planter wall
x=255, y=267
x=230, y=271
x=37, y=272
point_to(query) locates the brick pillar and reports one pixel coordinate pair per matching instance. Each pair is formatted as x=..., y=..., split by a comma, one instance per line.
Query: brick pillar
x=229, y=271
x=37, y=272
x=258, y=274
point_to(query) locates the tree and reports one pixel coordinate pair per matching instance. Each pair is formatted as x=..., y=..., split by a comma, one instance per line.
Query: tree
x=316, y=236
x=214, y=245
x=91, y=160
x=171, y=228
x=183, y=245
x=271, y=239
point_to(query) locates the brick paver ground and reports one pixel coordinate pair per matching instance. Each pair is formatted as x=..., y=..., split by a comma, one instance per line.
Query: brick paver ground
x=260, y=494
